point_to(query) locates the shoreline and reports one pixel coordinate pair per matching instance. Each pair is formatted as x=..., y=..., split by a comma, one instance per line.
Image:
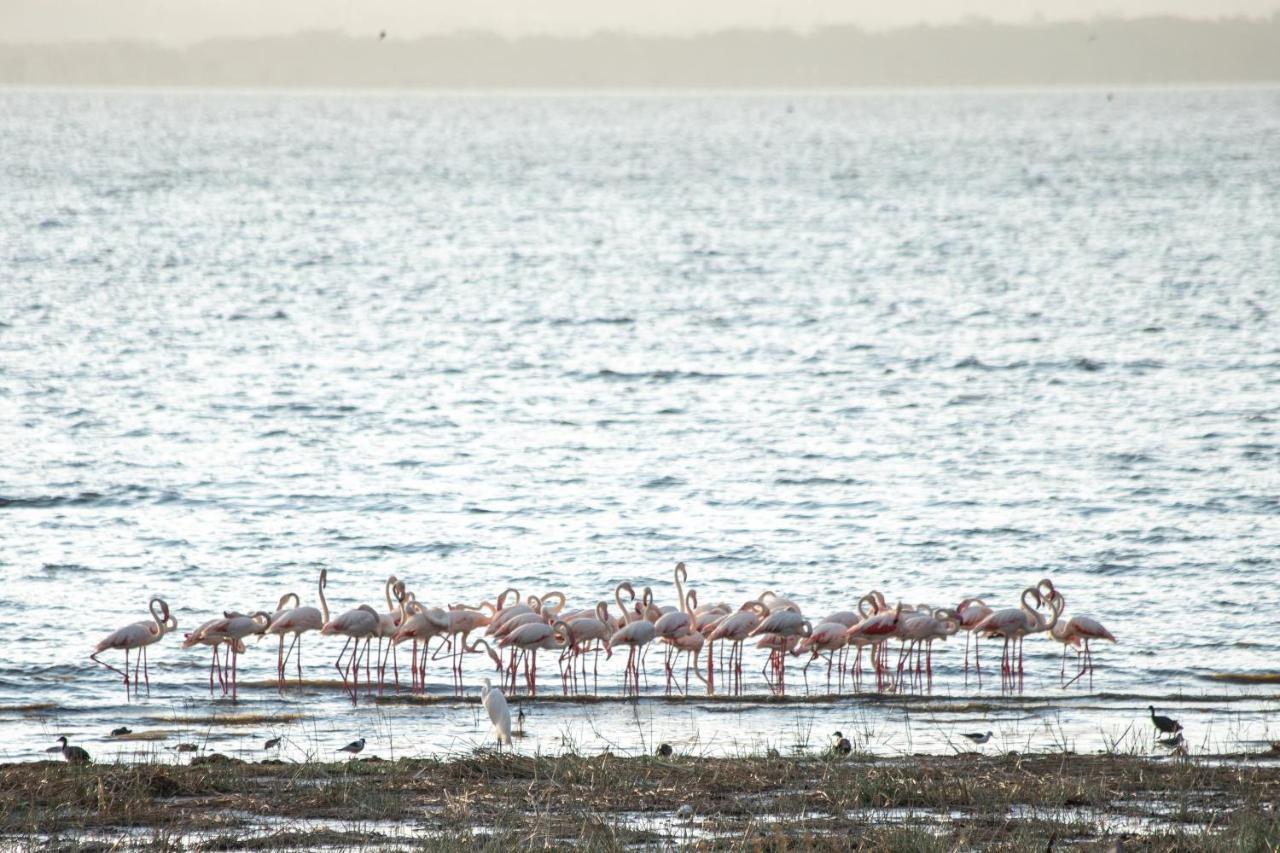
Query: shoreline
x=605, y=802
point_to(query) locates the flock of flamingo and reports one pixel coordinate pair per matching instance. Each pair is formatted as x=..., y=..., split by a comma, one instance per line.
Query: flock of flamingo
x=514, y=631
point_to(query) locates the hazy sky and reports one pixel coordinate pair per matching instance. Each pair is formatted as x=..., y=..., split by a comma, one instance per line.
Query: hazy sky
x=190, y=20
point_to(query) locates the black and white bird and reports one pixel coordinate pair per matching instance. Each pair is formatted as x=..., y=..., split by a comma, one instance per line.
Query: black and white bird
x=1172, y=741
x=664, y=750
x=840, y=744
x=73, y=754
x=520, y=721
x=977, y=737
x=1164, y=725
x=272, y=743
x=354, y=747
x=122, y=730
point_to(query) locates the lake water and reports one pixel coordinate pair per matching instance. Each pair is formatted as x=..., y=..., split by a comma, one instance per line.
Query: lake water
x=936, y=344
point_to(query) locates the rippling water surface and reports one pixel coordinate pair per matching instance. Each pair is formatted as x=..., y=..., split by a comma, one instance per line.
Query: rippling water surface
x=936, y=344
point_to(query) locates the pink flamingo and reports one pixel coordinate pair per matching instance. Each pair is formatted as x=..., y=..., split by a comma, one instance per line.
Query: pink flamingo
x=828, y=637
x=388, y=623
x=874, y=631
x=583, y=632
x=198, y=637
x=636, y=635
x=789, y=625
x=137, y=635
x=527, y=640
x=420, y=624
x=360, y=623
x=297, y=622
x=462, y=621
x=232, y=630
x=970, y=612
x=1078, y=631
x=1012, y=624
x=734, y=630
x=690, y=645
x=672, y=626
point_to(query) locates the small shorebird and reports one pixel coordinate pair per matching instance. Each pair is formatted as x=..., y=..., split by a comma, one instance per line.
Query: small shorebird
x=354, y=747
x=840, y=744
x=520, y=722
x=664, y=750
x=977, y=737
x=1172, y=741
x=1164, y=725
x=187, y=747
x=73, y=754
x=272, y=743
x=122, y=730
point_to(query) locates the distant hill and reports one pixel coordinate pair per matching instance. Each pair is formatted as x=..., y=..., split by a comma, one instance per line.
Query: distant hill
x=977, y=53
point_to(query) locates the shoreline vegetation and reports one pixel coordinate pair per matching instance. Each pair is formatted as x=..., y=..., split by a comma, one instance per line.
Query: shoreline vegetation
x=1108, y=51
x=501, y=801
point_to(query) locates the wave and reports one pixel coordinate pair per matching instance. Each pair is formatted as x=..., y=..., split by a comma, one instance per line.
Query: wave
x=649, y=375
x=118, y=497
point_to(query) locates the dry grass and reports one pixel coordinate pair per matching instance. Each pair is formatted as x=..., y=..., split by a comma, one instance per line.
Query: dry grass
x=504, y=801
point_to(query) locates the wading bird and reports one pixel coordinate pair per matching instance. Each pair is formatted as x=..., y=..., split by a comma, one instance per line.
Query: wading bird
x=977, y=737
x=137, y=636
x=297, y=622
x=495, y=704
x=1164, y=725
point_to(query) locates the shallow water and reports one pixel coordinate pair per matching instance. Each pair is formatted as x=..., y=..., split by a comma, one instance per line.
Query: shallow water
x=936, y=344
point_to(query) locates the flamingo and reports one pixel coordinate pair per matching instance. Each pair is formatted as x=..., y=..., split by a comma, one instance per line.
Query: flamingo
x=420, y=624
x=637, y=635
x=297, y=622
x=690, y=645
x=923, y=629
x=137, y=635
x=462, y=621
x=734, y=629
x=388, y=622
x=359, y=623
x=874, y=631
x=232, y=630
x=972, y=611
x=199, y=638
x=583, y=631
x=676, y=624
x=1012, y=624
x=499, y=712
x=788, y=625
x=528, y=639
x=829, y=637
x=1077, y=631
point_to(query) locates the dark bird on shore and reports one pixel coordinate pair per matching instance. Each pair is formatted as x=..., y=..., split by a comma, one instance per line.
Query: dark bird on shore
x=1163, y=724
x=840, y=744
x=1173, y=741
x=187, y=747
x=73, y=754
x=272, y=743
x=520, y=721
x=354, y=747
x=665, y=750
x=122, y=730
x=977, y=737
